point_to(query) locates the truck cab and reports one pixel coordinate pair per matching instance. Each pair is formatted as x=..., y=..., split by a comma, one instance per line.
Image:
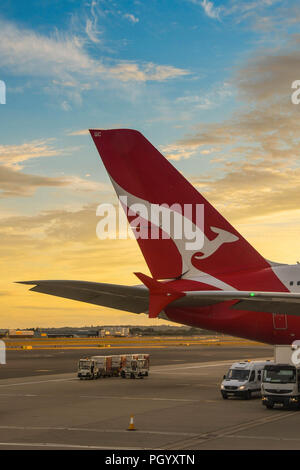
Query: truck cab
x=243, y=380
x=281, y=380
x=135, y=367
x=281, y=386
x=87, y=369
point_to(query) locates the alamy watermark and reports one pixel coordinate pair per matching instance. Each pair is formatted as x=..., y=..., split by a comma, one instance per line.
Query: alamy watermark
x=295, y=357
x=2, y=352
x=295, y=96
x=2, y=92
x=183, y=222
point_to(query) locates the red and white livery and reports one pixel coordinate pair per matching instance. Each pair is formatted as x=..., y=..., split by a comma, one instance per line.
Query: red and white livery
x=225, y=285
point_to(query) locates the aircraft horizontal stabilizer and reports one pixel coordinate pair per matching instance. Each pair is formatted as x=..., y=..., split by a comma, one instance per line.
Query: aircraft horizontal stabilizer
x=160, y=294
x=136, y=299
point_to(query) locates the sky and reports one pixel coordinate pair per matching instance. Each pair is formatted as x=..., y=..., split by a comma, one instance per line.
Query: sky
x=207, y=82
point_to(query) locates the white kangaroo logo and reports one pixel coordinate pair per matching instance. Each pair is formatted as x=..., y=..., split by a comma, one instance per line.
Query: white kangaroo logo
x=211, y=246
x=205, y=247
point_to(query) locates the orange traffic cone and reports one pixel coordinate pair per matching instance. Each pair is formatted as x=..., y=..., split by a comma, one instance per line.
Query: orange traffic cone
x=131, y=424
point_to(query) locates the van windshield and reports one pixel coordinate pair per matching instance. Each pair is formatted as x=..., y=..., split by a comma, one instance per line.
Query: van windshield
x=279, y=374
x=238, y=374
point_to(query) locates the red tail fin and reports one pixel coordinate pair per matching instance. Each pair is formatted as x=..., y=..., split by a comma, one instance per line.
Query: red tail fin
x=139, y=172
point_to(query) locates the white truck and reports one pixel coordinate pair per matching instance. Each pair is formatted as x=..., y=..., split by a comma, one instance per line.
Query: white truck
x=281, y=380
x=243, y=379
x=86, y=369
x=95, y=367
x=135, y=366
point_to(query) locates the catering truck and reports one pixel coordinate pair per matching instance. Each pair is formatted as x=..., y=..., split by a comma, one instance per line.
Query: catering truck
x=135, y=366
x=95, y=367
x=243, y=379
x=126, y=365
x=281, y=380
x=117, y=363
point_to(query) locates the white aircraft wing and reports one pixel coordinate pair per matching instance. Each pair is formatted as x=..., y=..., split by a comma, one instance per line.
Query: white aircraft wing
x=135, y=299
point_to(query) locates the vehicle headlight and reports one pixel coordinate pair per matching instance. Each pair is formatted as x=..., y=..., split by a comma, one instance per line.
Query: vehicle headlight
x=242, y=387
x=222, y=387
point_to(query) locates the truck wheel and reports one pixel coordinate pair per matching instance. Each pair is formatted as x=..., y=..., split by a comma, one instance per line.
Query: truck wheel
x=270, y=406
x=224, y=395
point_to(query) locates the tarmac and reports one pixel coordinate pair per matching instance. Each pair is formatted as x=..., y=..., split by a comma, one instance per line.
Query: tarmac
x=43, y=405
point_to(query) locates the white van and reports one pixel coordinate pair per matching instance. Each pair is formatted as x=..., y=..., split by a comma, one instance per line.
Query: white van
x=243, y=379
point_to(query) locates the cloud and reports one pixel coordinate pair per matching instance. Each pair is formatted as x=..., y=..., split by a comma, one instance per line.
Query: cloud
x=79, y=132
x=248, y=190
x=27, y=52
x=131, y=18
x=270, y=74
x=14, y=183
x=210, y=10
x=265, y=16
x=61, y=244
x=259, y=15
x=177, y=152
x=13, y=155
x=63, y=59
x=76, y=183
x=260, y=173
x=208, y=100
x=130, y=71
x=258, y=145
x=69, y=237
x=91, y=26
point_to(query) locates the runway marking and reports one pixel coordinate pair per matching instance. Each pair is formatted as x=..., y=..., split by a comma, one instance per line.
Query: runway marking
x=38, y=382
x=273, y=438
x=64, y=428
x=179, y=373
x=69, y=446
x=206, y=385
x=198, y=366
x=138, y=398
x=104, y=397
x=17, y=395
x=169, y=370
x=203, y=438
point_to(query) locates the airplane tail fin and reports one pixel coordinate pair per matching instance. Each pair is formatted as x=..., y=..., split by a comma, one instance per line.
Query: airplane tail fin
x=141, y=175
